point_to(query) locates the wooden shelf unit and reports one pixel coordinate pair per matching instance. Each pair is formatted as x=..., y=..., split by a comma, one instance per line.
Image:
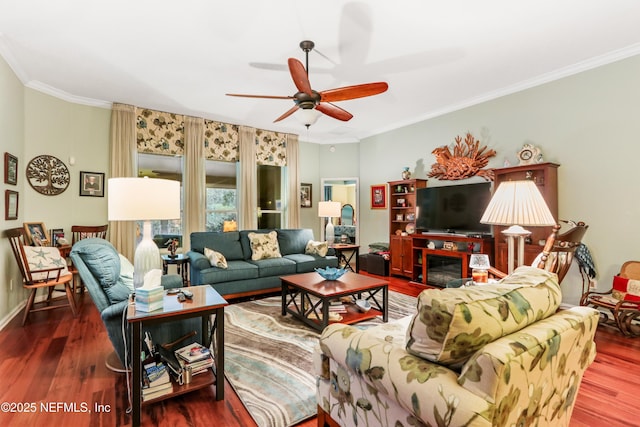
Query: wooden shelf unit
x=465, y=247
x=402, y=212
x=545, y=175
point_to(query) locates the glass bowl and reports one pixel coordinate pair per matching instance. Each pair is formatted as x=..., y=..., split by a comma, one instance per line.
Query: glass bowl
x=331, y=273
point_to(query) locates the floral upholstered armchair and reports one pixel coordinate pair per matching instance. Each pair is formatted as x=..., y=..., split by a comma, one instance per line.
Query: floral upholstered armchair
x=492, y=355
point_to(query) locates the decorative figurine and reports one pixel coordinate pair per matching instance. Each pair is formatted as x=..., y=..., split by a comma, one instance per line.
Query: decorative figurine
x=173, y=247
x=406, y=174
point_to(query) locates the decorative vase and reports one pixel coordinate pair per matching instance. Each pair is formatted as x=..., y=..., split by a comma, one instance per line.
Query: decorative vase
x=406, y=174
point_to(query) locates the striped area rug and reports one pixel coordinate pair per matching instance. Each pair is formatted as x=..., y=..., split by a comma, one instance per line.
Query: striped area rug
x=268, y=358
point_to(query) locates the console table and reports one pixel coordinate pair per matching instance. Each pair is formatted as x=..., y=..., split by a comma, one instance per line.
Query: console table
x=458, y=255
x=206, y=301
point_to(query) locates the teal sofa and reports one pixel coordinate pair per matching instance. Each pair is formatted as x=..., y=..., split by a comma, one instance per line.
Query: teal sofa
x=244, y=276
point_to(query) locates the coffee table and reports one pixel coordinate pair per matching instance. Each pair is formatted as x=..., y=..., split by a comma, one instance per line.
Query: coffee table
x=307, y=297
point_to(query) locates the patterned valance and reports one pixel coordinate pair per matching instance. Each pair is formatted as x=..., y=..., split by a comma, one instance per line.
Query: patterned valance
x=221, y=141
x=271, y=148
x=159, y=132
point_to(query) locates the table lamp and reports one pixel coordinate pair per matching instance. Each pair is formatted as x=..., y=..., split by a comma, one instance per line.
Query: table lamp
x=517, y=204
x=329, y=210
x=146, y=199
x=479, y=264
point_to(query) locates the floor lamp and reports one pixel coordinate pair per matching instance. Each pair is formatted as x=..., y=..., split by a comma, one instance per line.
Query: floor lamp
x=516, y=204
x=329, y=210
x=143, y=199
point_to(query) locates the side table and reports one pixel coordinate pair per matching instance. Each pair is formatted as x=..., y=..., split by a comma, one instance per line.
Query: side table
x=181, y=262
x=206, y=301
x=347, y=253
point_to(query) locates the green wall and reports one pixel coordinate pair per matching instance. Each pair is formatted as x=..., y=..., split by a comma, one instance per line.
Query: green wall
x=587, y=123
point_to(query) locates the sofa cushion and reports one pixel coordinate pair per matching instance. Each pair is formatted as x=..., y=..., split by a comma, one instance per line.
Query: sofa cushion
x=228, y=244
x=308, y=263
x=316, y=248
x=293, y=241
x=274, y=266
x=264, y=245
x=126, y=272
x=236, y=270
x=215, y=258
x=451, y=324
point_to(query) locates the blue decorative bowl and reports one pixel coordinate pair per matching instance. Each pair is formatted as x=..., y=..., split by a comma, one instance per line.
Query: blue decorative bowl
x=331, y=273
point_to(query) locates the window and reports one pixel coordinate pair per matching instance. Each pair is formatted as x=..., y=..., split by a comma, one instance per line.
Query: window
x=165, y=167
x=270, y=196
x=221, y=195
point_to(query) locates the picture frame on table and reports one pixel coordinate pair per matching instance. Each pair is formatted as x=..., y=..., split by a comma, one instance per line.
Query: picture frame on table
x=36, y=233
x=10, y=204
x=92, y=184
x=379, y=196
x=305, y=195
x=10, y=169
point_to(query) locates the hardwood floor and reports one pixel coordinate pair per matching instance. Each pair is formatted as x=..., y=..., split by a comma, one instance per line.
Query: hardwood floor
x=53, y=374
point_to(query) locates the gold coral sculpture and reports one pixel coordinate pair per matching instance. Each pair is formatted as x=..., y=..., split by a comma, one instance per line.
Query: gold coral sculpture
x=467, y=159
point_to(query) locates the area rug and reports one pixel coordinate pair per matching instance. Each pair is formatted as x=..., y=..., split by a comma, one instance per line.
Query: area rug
x=268, y=358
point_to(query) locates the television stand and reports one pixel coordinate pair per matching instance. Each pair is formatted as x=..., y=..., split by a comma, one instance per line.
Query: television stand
x=441, y=257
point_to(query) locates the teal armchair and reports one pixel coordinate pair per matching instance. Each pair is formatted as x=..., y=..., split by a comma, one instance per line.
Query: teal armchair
x=100, y=268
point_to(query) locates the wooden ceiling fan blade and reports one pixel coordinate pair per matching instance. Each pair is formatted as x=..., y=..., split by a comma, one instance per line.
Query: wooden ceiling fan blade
x=353, y=92
x=259, y=96
x=287, y=114
x=334, y=111
x=299, y=76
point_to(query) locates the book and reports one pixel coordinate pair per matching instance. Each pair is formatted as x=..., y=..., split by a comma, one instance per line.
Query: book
x=154, y=393
x=193, y=352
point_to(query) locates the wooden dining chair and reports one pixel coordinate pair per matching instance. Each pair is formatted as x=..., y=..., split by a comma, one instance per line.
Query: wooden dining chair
x=79, y=232
x=42, y=267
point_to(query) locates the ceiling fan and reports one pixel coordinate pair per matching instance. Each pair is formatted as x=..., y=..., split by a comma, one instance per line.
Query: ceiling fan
x=307, y=98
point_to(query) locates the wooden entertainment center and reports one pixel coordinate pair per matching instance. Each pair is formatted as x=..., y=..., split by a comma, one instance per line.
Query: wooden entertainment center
x=421, y=257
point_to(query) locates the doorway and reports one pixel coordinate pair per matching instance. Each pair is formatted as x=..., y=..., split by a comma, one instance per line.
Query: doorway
x=345, y=191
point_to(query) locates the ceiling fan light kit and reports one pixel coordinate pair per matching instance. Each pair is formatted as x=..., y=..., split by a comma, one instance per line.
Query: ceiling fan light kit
x=307, y=100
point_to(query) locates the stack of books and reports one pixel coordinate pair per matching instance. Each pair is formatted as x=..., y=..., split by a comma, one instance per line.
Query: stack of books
x=149, y=299
x=196, y=356
x=337, y=306
x=156, y=381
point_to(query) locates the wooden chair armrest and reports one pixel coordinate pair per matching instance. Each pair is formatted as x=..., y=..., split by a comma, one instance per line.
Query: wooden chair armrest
x=497, y=273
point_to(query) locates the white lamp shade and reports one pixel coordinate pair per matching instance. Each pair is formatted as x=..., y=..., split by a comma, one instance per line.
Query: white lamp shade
x=329, y=209
x=480, y=261
x=132, y=199
x=518, y=202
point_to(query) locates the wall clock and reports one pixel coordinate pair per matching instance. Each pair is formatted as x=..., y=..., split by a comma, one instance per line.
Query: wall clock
x=48, y=175
x=528, y=154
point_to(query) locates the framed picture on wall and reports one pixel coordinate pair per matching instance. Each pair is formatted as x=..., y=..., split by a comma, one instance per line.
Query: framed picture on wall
x=305, y=195
x=92, y=184
x=379, y=196
x=10, y=204
x=10, y=169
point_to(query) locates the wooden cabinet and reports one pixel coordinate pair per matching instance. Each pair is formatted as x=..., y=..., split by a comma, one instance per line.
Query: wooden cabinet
x=402, y=217
x=545, y=175
x=401, y=248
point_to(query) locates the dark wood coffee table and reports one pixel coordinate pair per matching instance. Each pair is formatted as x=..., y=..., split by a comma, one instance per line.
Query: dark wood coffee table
x=307, y=297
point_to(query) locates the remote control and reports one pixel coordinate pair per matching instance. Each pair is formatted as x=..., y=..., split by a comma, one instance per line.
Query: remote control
x=181, y=297
x=187, y=293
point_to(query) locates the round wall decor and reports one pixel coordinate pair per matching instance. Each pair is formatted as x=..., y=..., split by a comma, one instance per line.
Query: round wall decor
x=48, y=175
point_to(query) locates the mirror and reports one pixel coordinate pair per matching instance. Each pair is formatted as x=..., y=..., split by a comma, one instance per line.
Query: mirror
x=345, y=191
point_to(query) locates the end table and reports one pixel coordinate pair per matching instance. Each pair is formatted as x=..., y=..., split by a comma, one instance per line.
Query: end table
x=182, y=264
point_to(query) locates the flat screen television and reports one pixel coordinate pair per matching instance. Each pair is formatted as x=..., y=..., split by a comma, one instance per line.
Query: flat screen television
x=453, y=209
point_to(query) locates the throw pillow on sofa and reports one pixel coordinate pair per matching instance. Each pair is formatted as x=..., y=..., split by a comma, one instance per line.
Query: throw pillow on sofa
x=264, y=245
x=317, y=248
x=452, y=324
x=215, y=258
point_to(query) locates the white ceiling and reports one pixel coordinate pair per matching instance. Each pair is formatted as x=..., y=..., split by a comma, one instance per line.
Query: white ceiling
x=183, y=56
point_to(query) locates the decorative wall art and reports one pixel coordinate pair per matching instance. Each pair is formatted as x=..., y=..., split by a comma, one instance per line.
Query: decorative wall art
x=10, y=169
x=37, y=233
x=48, y=175
x=92, y=184
x=467, y=159
x=379, y=196
x=305, y=195
x=10, y=204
